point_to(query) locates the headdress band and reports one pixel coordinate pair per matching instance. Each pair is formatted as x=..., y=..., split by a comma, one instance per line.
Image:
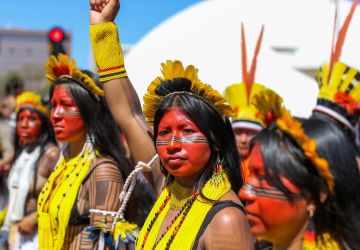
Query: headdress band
x=172, y=70
x=271, y=109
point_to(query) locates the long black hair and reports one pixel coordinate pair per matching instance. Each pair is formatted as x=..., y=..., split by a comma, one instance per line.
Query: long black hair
x=216, y=128
x=342, y=217
x=327, y=118
x=46, y=138
x=283, y=156
x=99, y=123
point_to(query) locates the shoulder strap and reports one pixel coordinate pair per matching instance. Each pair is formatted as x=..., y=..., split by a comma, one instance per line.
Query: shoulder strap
x=93, y=168
x=217, y=207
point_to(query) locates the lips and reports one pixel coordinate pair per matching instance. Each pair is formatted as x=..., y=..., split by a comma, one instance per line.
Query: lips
x=175, y=161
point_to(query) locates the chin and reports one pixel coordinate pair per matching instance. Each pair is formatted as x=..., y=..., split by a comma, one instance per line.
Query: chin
x=180, y=172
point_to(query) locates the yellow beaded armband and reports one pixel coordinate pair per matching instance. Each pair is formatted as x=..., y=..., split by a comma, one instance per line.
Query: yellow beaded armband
x=107, y=51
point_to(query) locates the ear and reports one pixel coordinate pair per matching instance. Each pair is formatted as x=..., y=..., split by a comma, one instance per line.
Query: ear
x=311, y=208
x=323, y=196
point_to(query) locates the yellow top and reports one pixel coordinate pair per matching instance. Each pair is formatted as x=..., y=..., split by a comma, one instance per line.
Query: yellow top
x=57, y=198
x=188, y=230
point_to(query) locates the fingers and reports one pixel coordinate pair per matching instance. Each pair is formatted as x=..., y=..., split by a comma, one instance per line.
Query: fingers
x=98, y=5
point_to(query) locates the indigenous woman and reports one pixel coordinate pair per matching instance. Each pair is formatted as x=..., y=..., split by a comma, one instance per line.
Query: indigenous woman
x=196, y=206
x=35, y=157
x=83, y=190
x=288, y=175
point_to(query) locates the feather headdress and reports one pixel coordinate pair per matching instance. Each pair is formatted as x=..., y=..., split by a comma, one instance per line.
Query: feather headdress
x=240, y=95
x=32, y=100
x=62, y=66
x=272, y=110
x=339, y=93
x=172, y=70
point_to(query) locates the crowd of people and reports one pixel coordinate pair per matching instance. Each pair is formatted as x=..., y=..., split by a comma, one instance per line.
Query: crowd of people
x=191, y=169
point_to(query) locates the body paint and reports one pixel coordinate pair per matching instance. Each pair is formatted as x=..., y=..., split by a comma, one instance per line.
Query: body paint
x=66, y=119
x=272, y=215
x=28, y=126
x=182, y=147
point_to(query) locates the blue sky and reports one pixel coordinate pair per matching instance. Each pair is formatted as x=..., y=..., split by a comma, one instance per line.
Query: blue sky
x=137, y=17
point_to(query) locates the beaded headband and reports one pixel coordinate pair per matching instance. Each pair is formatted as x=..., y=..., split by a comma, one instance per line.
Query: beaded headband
x=31, y=100
x=271, y=110
x=62, y=66
x=172, y=70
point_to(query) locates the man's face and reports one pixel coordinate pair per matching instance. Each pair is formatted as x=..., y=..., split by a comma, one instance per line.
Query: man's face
x=243, y=137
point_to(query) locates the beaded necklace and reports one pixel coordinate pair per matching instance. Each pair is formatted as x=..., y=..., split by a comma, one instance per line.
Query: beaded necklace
x=59, y=196
x=179, y=196
x=178, y=202
x=187, y=222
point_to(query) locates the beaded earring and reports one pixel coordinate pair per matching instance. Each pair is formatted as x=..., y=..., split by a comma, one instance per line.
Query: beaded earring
x=310, y=235
x=218, y=171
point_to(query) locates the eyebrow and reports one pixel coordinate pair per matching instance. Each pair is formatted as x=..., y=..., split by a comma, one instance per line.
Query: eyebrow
x=270, y=192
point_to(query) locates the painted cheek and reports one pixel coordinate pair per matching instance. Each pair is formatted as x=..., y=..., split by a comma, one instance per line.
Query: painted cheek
x=28, y=127
x=65, y=116
x=182, y=153
x=68, y=127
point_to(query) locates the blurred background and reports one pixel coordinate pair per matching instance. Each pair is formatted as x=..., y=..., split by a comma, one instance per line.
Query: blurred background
x=206, y=33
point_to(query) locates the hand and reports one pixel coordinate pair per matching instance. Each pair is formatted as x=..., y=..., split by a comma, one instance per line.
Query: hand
x=103, y=11
x=27, y=225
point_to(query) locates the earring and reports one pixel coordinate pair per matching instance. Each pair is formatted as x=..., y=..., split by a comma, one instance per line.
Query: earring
x=218, y=173
x=310, y=234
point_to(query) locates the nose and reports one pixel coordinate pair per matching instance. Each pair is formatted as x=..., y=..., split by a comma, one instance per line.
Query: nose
x=24, y=123
x=174, y=144
x=247, y=193
x=243, y=137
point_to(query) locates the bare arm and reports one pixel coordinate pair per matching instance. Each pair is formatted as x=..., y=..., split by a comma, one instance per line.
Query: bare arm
x=124, y=102
x=229, y=230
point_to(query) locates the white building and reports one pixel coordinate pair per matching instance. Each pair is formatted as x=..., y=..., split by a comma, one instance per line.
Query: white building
x=297, y=39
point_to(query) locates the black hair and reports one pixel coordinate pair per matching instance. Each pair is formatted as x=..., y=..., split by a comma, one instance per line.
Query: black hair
x=99, y=123
x=46, y=134
x=341, y=217
x=217, y=129
x=283, y=156
x=46, y=137
x=327, y=118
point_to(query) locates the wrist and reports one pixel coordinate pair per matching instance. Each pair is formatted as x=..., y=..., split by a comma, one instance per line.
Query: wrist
x=107, y=51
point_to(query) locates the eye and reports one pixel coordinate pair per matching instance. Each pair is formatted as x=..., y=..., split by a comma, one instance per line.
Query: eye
x=163, y=132
x=188, y=131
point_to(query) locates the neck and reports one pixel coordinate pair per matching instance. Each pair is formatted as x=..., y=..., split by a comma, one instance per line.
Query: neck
x=75, y=147
x=293, y=243
x=30, y=147
x=187, y=181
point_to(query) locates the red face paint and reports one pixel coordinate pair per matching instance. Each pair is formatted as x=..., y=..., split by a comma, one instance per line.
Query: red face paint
x=272, y=216
x=243, y=137
x=28, y=127
x=66, y=119
x=182, y=147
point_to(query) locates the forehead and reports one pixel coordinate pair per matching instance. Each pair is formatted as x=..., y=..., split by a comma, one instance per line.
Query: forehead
x=176, y=116
x=61, y=91
x=256, y=163
x=28, y=112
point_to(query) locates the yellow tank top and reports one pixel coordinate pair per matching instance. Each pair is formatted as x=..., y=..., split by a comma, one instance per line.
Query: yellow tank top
x=185, y=231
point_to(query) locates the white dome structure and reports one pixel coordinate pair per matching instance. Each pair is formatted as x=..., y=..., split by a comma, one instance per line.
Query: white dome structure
x=297, y=38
